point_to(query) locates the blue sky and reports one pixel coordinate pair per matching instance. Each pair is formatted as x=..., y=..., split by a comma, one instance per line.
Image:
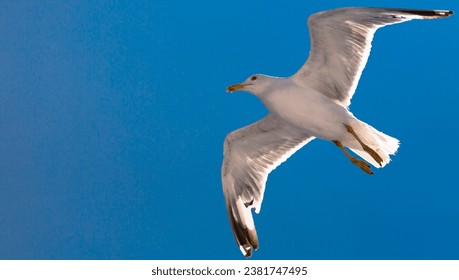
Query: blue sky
x=113, y=116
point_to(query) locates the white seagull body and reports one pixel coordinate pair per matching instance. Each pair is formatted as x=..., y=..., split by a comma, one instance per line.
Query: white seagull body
x=311, y=103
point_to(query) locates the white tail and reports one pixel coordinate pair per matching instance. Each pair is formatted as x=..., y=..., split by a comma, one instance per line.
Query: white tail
x=381, y=143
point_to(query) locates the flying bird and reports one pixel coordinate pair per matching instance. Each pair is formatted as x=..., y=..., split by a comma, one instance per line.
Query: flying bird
x=313, y=103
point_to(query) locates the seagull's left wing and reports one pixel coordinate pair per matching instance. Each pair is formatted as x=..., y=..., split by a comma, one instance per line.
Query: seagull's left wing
x=341, y=43
x=250, y=154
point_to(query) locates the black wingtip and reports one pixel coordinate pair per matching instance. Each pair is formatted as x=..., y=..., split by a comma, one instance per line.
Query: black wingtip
x=247, y=249
x=250, y=241
x=246, y=238
x=428, y=13
x=444, y=13
x=247, y=252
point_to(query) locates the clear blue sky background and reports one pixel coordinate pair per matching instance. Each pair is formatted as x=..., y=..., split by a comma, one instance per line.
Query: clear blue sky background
x=112, y=120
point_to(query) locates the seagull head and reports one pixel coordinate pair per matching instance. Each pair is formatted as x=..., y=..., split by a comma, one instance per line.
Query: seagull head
x=255, y=84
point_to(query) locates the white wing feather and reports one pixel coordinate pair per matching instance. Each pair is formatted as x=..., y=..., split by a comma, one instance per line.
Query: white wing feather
x=250, y=154
x=341, y=43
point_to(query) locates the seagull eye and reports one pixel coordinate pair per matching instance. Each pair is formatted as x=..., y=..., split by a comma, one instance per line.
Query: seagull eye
x=253, y=78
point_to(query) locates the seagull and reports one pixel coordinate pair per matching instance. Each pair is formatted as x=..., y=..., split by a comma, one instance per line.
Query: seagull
x=313, y=103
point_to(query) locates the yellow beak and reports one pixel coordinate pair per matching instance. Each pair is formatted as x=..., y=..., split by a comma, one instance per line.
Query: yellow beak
x=235, y=87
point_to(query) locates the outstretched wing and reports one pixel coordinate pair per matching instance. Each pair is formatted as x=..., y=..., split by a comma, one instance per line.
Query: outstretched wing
x=341, y=43
x=250, y=154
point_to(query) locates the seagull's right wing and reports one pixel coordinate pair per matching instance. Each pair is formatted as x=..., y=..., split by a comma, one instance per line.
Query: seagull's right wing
x=341, y=43
x=250, y=154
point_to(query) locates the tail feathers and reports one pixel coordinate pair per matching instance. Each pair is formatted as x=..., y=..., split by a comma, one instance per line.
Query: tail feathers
x=381, y=143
